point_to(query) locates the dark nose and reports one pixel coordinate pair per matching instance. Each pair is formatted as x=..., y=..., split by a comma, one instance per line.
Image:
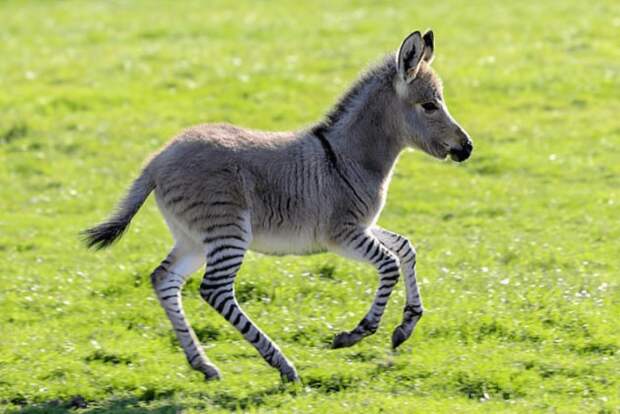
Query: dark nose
x=461, y=154
x=467, y=145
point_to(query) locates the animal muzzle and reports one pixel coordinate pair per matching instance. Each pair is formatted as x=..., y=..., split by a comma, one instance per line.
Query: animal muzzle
x=463, y=151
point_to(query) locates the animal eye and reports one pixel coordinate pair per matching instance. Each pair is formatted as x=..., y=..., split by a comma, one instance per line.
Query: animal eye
x=430, y=106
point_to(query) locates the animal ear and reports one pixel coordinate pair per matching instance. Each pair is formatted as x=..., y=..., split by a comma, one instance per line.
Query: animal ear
x=409, y=56
x=429, y=46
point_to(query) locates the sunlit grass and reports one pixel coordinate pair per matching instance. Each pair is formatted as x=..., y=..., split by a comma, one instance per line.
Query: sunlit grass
x=517, y=249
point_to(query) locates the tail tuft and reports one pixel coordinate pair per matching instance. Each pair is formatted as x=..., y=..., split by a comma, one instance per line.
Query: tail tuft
x=104, y=234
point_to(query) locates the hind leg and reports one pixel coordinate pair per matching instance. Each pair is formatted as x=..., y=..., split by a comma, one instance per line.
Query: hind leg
x=168, y=279
x=226, y=244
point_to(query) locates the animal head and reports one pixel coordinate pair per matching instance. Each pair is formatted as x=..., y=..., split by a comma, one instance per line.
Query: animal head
x=425, y=120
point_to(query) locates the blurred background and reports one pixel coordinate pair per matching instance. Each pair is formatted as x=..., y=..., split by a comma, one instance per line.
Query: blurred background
x=518, y=249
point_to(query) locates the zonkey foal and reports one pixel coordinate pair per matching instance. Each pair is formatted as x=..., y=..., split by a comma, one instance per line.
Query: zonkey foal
x=224, y=190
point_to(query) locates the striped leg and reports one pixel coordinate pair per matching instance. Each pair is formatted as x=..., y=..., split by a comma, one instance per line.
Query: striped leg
x=413, y=308
x=363, y=246
x=224, y=256
x=168, y=279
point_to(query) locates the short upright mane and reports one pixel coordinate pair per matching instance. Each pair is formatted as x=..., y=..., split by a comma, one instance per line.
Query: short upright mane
x=381, y=73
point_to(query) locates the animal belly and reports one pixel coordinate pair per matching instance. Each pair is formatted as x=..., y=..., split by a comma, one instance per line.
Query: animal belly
x=280, y=244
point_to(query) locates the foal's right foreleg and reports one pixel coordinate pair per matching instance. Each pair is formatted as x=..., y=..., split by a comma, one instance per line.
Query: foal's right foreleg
x=168, y=279
x=413, y=311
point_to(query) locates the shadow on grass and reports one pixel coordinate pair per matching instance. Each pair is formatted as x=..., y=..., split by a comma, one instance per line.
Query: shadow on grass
x=155, y=403
x=120, y=406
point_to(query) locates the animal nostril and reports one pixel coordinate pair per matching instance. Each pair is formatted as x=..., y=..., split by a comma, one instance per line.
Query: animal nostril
x=467, y=145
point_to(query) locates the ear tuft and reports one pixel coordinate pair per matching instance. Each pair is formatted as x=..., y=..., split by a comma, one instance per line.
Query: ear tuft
x=429, y=46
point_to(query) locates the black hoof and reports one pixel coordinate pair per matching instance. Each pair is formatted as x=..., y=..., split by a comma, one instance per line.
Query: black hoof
x=342, y=340
x=211, y=373
x=398, y=337
x=212, y=377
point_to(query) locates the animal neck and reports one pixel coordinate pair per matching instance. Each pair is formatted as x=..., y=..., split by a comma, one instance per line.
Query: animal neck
x=359, y=128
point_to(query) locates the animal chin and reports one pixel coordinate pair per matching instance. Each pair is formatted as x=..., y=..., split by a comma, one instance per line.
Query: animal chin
x=440, y=153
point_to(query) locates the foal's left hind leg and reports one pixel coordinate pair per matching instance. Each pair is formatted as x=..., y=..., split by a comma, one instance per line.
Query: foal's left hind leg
x=168, y=279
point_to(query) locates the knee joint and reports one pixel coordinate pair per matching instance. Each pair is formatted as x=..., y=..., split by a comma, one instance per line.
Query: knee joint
x=388, y=261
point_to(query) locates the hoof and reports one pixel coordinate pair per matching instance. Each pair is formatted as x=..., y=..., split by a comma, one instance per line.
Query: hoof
x=343, y=340
x=404, y=330
x=210, y=372
x=213, y=377
x=398, y=337
x=290, y=376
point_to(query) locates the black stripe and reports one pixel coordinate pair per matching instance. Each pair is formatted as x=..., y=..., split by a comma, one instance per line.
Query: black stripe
x=384, y=295
x=222, y=305
x=229, y=313
x=411, y=259
x=361, y=243
x=319, y=132
x=380, y=268
x=394, y=268
x=221, y=226
x=176, y=199
x=357, y=236
x=219, y=293
x=271, y=212
x=192, y=206
x=388, y=279
x=246, y=327
x=402, y=246
x=167, y=289
x=373, y=259
x=211, y=239
x=224, y=203
x=224, y=259
x=162, y=266
x=279, y=211
x=211, y=271
x=409, y=253
x=207, y=287
x=368, y=248
x=223, y=247
x=269, y=355
x=348, y=232
x=222, y=277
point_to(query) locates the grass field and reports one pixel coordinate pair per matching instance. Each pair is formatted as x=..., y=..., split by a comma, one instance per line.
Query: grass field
x=518, y=249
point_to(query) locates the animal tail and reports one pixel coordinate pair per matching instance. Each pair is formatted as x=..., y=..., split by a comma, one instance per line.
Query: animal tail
x=106, y=233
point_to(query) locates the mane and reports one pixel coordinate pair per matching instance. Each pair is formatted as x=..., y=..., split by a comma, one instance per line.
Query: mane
x=380, y=73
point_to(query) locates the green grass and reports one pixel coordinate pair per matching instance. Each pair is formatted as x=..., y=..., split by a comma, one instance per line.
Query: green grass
x=518, y=249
